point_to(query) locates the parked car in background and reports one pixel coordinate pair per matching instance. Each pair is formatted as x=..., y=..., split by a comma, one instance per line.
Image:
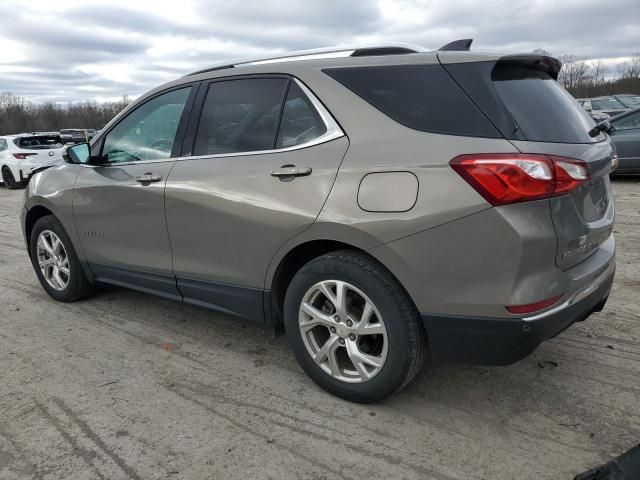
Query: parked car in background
x=77, y=135
x=369, y=200
x=629, y=100
x=597, y=116
x=625, y=135
x=21, y=154
x=609, y=106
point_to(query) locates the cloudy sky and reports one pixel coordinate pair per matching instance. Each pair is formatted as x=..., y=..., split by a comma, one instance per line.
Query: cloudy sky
x=70, y=50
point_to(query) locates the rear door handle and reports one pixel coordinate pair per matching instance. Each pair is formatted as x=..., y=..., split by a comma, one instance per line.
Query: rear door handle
x=291, y=171
x=148, y=178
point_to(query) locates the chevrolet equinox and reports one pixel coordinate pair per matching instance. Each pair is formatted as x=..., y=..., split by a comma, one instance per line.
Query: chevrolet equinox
x=379, y=204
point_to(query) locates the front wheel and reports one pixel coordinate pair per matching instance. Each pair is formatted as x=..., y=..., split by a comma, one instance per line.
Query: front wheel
x=55, y=261
x=352, y=327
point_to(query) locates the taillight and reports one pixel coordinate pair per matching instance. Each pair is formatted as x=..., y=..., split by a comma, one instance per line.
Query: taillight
x=504, y=178
x=533, y=307
x=22, y=156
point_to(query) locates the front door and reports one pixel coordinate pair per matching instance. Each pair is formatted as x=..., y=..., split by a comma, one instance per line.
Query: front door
x=119, y=202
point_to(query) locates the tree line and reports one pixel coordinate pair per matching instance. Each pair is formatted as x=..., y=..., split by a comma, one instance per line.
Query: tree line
x=584, y=78
x=580, y=76
x=17, y=115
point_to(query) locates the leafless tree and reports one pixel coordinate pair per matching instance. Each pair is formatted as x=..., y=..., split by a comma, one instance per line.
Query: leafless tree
x=17, y=115
x=574, y=71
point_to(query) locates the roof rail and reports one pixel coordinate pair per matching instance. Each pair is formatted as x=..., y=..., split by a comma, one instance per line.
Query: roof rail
x=457, y=46
x=321, y=53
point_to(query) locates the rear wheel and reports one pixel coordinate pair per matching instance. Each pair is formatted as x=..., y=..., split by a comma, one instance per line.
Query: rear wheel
x=9, y=180
x=56, y=263
x=352, y=327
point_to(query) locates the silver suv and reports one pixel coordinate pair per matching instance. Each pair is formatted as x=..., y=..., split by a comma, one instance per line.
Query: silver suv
x=380, y=204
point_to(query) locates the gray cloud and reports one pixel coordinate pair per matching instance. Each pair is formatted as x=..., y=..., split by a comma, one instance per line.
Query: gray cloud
x=99, y=50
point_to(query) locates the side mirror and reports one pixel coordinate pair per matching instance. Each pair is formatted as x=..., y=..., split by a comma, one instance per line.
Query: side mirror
x=587, y=107
x=79, y=153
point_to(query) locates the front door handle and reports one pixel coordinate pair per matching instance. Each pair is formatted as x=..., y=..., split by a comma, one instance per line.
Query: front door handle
x=288, y=171
x=148, y=178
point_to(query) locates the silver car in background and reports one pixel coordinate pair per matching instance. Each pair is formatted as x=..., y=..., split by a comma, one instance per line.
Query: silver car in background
x=382, y=205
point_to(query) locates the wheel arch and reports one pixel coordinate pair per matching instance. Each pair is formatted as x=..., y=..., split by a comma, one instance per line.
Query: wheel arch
x=297, y=256
x=34, y=214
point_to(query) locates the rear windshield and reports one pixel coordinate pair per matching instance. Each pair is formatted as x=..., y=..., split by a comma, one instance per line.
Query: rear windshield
x=44, y=142
x=525, y=103
x=422, y=97
x=541, y=108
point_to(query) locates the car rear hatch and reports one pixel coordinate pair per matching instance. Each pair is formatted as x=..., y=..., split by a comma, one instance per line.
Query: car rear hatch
x=520, y=96
x=41, y=148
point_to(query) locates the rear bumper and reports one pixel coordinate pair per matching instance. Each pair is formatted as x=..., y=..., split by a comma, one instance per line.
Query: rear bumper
x=502, y=341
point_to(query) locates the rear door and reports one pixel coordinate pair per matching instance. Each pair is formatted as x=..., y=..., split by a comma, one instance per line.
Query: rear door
x=521, y=97
x=260, y=160
x=119, y=203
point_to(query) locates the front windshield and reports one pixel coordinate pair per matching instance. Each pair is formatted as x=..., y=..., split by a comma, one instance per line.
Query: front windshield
x=607, y=104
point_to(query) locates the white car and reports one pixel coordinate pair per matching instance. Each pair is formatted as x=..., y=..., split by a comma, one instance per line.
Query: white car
x=21, y=154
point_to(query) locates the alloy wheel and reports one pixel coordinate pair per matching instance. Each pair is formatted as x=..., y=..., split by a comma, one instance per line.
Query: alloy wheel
x=343, y=331
x=53, y=260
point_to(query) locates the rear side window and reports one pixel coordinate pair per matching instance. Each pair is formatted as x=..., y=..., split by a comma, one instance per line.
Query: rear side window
x=240, y=116
x=422, y=97
x=300, y=122
x=525, y=102
x=3, y=144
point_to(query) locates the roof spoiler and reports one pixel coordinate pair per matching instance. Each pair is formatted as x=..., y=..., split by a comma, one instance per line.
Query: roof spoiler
x=457, y=46
x=550, y=65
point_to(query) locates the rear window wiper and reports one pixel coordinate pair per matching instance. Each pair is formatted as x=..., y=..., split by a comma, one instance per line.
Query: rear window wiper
x=604, y=126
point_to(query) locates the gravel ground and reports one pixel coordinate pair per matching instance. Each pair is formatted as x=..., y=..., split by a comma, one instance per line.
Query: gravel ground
x=125, y=385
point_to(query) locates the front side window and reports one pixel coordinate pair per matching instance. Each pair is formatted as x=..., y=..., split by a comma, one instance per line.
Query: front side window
x=147, y=133
x=240, y=116
x=630, y=122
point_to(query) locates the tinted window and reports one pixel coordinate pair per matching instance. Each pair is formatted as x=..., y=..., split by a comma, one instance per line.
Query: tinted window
x=524, y=103
x=423, y=97
x=148, y=132
x=628, y=122
x=540, y=107
x=300, y=122
x=43, y=142
x=240, y=116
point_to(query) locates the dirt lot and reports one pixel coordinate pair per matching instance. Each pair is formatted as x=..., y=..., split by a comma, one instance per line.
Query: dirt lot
x=126, y=385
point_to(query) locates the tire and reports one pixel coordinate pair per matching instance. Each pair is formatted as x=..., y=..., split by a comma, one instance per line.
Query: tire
x=367, y=282
x=9, y=180
x=77, y=285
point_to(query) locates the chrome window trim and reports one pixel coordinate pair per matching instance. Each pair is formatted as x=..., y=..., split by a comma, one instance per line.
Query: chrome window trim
x=124, y=164
x=333, y=131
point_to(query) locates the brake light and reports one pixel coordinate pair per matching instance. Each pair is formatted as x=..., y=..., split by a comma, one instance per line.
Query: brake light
x=533, y=307
x=504, y=178
x=22, y=156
